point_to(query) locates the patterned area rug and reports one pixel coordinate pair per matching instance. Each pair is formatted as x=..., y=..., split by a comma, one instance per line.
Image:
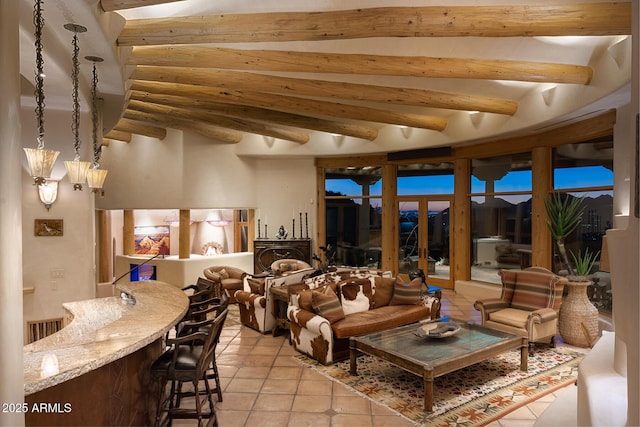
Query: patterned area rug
x=473, y=396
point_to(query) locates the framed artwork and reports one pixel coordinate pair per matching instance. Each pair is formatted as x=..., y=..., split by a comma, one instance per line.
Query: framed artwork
x=151, y=239
x=48, y=227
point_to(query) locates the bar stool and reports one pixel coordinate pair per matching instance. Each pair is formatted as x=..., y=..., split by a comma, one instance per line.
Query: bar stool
x=189, y=358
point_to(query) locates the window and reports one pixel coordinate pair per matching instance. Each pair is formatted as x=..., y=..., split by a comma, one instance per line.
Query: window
x=586, y=170
x=500, y=214
x=354, y=215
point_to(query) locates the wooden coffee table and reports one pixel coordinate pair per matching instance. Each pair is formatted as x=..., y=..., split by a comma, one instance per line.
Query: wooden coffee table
x=433, y=357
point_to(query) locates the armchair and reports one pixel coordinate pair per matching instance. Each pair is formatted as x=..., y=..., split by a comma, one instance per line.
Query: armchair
x=258, y=308
x=229, y=277
x=528, y=305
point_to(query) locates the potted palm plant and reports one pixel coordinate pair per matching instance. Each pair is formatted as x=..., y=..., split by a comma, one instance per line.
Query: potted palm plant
x=578, y=317
x=564, y=214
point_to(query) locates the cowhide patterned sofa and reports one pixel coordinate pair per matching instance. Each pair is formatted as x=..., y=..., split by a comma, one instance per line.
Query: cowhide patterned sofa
x=349, y=303
x=255, y=301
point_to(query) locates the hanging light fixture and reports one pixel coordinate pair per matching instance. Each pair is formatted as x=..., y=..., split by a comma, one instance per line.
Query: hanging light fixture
x=40, y=161
x=76, y=169
x=95, y=176
x=48, y=193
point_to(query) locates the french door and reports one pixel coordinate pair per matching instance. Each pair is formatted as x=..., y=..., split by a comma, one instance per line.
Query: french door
x=424, y=238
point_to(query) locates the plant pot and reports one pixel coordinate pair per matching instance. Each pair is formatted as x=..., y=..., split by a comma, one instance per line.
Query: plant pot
x=578, y=319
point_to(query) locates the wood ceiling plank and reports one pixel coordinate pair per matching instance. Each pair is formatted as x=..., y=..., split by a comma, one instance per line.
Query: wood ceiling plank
x=577, y=19
x=130, y=126
x=292, y=104
x=325, y=89
x=214, y=132
x=260, y=114
x=341, y=63
x=217, y=120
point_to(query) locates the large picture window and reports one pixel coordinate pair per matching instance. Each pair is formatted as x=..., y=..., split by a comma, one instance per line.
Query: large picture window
x=586, y=171
x=354, y=215
x=500, y=215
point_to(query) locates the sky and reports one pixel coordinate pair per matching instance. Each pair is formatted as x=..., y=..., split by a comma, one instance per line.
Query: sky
x=591, y=176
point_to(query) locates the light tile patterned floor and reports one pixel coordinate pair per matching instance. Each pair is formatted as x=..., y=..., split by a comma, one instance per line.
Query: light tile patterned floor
x=264, y=386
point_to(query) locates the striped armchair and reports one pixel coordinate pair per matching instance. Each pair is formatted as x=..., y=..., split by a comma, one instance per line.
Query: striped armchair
x=528, y=306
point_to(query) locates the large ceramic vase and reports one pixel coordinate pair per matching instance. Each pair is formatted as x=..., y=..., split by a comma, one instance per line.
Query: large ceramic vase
x=578, y=319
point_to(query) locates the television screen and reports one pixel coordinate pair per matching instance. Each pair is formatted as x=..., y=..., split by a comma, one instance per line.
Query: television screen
x=143, y=272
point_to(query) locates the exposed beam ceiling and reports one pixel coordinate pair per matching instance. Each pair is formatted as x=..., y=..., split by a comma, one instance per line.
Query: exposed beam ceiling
x=279, y=74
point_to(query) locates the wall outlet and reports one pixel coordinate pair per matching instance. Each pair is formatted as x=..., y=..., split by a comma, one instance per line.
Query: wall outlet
x=57, y=273
x=54, y=285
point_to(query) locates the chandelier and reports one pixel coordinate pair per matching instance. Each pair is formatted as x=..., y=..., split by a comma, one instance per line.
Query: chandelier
x=76, y=169
x=40, y=160
x=95, y=176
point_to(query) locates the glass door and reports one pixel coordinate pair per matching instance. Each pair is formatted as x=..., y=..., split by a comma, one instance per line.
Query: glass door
x=424, y=239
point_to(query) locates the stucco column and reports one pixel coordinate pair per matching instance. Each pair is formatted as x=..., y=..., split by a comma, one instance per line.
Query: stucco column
x=11, y=160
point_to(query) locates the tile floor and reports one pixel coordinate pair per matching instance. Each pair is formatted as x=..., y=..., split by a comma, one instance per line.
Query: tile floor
x=263, y=386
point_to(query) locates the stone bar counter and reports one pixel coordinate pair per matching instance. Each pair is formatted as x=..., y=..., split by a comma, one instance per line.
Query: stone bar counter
x=103, y=357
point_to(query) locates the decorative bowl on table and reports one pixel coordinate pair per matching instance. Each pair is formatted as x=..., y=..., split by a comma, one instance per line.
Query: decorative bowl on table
x=438, y=330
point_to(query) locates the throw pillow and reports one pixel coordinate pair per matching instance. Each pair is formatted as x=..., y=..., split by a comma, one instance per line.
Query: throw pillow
x=223, y=274
x=407, y=293
x=256, y=285
x=356, y=295
x=327, y=305
x=382, y=291
x=304, y=297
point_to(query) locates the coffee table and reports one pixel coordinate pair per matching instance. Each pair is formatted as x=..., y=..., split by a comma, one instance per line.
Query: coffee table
x=433, y=357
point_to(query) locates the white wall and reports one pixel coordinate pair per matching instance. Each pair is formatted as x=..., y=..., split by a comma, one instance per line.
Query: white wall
x=285, y=188
x=72, y=253
x=183, y=171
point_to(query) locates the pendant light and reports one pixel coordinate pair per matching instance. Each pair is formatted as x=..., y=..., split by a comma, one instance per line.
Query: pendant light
x=76, y=170
x=40, y=161
x=95, y=176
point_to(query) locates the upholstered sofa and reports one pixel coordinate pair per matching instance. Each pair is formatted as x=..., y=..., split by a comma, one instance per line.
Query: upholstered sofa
x=230, y=278
x=256, y=302
x=343, y=304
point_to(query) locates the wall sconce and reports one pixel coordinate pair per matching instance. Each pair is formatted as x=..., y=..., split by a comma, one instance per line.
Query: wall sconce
x=476, y=118
x=548, y=94
x=48, y=193
x=620, y=51
x=338, y=138
x=406, y=131
x=49, y=365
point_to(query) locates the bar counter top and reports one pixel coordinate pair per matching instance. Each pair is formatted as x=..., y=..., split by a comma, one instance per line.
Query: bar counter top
x=104, y=330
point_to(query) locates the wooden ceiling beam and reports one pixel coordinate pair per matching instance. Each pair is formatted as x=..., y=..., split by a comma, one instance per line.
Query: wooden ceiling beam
x=111, y=5
x=260, y=114
x=214, y=132
x=218, y=120
x=342, y=63
x=118, y=135
x=130, y=126
x=323, y=88
x=292, y=104
x=576, y=19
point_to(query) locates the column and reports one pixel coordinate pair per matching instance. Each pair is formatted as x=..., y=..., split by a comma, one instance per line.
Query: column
x=542, y=184
x=461, y=230
x=105, y=266
x=128, y=233
x=184, y=238
x=11, y=161
x=389, y=218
